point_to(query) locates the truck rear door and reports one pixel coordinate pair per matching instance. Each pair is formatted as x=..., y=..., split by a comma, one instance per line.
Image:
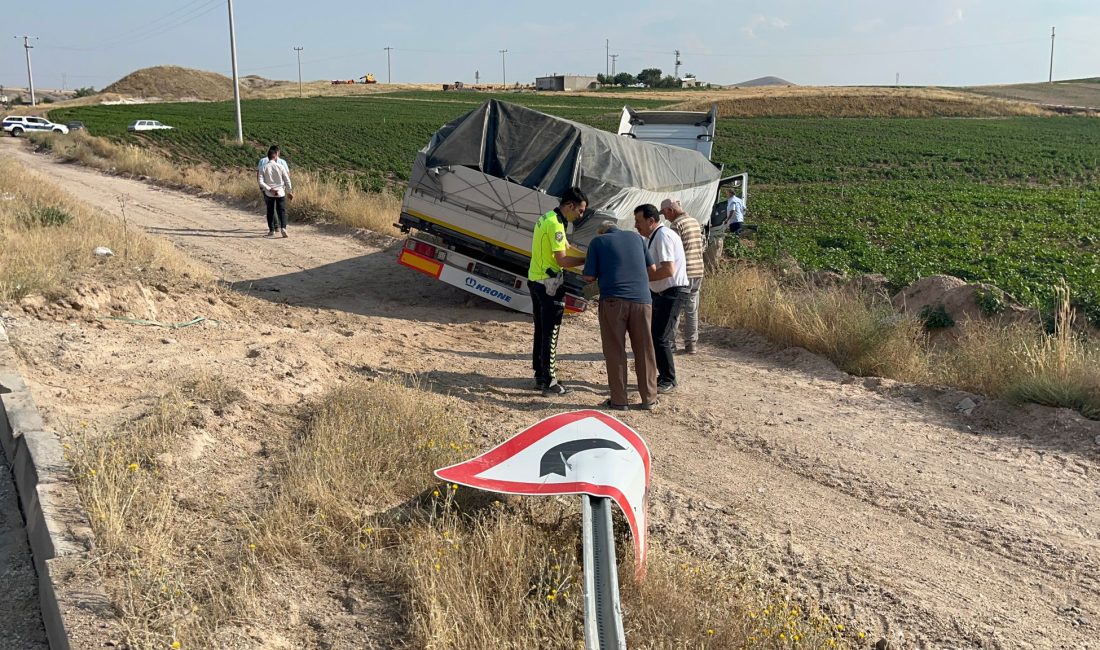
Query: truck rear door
x=687, y=129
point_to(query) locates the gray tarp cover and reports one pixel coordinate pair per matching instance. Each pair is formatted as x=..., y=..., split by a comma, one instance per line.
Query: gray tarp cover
x=550, y=154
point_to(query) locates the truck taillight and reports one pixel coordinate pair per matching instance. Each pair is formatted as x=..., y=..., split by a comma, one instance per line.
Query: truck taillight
x=573, y=303
x=419, y=247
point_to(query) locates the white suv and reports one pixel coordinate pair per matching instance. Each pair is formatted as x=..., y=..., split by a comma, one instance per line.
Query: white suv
x=18, y=124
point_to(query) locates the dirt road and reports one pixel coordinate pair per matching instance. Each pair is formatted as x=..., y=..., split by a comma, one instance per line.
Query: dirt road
x=923, y=524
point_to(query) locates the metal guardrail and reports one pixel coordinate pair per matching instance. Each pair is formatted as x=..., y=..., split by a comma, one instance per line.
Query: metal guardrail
x=603, y=613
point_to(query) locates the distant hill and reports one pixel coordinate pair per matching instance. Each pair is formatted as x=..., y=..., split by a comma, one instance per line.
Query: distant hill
x=764, y=81
x=175, y=82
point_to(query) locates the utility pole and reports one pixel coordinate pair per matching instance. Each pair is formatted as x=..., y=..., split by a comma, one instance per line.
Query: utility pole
x=477, y=77
x=389, y=79
x=897, y=79
x=1050, y=79
x=503, y=68
x=298, y=51
x=607, y=55
x=236, y=81
x=30, y=77
x=677, y=72
x=613, y=57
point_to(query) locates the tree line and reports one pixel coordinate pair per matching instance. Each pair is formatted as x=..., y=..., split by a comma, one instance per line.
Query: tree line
x=650, y=78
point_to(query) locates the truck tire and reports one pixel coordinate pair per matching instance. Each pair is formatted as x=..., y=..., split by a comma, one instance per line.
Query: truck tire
x=16, y=132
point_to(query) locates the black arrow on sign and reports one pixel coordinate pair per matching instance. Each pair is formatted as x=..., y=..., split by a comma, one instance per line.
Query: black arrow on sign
x=553, y=461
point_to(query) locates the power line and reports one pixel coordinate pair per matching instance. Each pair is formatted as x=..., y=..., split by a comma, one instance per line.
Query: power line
x=153, y=28
x=825, y=53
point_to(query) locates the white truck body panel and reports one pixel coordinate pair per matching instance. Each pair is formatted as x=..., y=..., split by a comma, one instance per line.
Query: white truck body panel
x=685, y=129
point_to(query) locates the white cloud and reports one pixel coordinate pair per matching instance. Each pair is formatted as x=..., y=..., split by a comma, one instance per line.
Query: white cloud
x=957, y=18
x=760, y=21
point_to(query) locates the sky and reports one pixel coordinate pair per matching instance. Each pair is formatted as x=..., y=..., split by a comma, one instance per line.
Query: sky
x=859, y=42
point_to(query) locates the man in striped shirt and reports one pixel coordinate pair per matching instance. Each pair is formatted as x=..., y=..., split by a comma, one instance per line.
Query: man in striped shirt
x=691, y=234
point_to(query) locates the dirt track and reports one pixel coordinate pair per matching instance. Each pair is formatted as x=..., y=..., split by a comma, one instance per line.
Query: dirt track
x=922, y=524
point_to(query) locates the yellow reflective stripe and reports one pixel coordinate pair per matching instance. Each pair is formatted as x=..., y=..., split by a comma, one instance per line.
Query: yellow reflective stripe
x=467, y=232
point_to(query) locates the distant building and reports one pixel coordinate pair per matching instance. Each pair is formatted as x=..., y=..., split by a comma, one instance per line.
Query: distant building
x=562, y=82
x=689, y=82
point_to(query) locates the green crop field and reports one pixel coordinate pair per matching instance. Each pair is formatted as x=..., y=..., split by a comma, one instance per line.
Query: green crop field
x=370, y=140
x=1010, y=201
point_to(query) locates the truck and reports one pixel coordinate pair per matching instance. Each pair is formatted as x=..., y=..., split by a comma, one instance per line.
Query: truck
x=483, y=180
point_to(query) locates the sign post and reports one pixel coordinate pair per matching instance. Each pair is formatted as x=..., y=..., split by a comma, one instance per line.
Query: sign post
x=588, y=453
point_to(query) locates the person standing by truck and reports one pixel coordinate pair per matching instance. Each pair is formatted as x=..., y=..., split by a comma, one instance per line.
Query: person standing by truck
x=273, y=174
x=691, y=236
x=668, y=284
x=620, y=262
x=735, y=211
x=546, y=282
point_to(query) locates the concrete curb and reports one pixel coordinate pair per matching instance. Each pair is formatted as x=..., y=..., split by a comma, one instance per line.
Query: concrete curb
x=58, y=528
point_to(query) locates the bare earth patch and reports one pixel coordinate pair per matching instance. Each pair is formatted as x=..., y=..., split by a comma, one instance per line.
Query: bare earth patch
x=903, y=516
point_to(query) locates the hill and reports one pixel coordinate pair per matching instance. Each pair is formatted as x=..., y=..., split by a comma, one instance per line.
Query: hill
x=175, y=82
x=764, y=81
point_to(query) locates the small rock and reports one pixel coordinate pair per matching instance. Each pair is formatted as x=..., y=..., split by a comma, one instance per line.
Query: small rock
x=103, y=251
x=253, y=353
x=1097, y=440
x=110, y=643
x=882, y=644
x=168, y=341
x=966, y=406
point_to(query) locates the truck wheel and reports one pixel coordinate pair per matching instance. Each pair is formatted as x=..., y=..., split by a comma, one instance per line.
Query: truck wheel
x=16, y=132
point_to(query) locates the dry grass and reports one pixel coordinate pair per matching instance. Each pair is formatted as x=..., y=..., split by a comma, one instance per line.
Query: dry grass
x=1024, y=364
x=474, y=571
x=174, y=579
x=863, y=335
x=48, y=240
x=354, y=495
x=315, y=197
x=841, y=101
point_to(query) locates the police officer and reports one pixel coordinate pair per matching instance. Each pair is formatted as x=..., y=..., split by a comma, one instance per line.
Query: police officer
x=546, y=282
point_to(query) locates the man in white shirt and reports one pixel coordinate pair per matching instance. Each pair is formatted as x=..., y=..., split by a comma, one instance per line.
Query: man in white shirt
x=669, y=286
x=735, y=212
x=273, y=174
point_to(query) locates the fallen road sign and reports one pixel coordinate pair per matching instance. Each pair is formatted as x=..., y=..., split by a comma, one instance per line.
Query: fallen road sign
x=581, y=452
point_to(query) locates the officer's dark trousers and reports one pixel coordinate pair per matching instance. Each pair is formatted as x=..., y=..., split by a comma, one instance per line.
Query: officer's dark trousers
x=548, y=311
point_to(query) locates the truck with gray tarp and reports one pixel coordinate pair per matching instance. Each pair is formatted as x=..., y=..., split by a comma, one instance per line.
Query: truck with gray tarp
x=478, y=187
